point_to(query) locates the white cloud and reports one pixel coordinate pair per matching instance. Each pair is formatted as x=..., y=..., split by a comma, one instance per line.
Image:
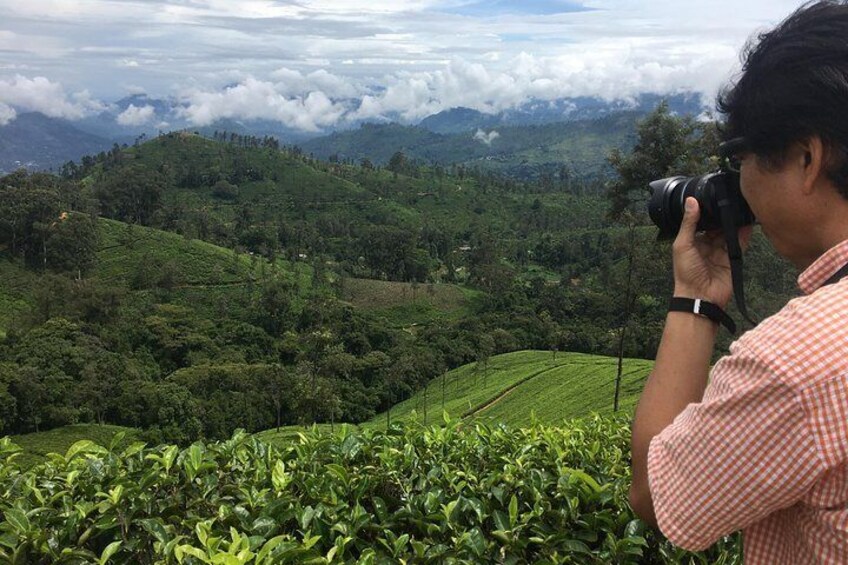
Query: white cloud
x=486, y=138
x=136, y=116
x=7, y=114
x=613, y=70
x=41, y=95
x=254, y=99
x=294, y=83
x=409, y=58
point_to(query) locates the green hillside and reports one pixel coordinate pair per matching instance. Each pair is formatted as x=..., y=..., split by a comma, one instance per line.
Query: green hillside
x=141, y=261
x=519, y=387
x=36, y=446
x=523, y=382
x=145, y=261
x=127, y=249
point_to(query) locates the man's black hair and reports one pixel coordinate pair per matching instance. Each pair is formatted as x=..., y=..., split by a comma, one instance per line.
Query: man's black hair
x=794, y=85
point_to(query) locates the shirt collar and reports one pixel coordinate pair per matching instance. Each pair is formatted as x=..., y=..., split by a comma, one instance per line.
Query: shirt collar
x=823, y=268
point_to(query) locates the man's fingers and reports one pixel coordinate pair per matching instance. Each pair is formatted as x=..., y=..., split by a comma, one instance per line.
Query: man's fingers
x=691, y=213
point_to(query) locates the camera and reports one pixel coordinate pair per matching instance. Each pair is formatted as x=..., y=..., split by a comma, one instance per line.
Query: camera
x=722, y=206
x=718, y=195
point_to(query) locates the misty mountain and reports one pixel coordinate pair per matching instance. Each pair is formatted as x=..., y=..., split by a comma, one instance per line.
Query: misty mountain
x=34, y=141
x=540, y=112
x=39, y=142
x=522, y=152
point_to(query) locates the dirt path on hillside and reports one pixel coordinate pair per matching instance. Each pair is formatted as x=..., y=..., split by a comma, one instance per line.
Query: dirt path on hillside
x=504, y=393
x=474, y=411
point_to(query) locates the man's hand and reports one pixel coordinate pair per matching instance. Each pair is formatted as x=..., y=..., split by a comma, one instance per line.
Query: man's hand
x=701, y=265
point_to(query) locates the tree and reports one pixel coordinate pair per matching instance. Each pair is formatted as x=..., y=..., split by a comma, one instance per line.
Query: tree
x=272, y=305
x=628, y=297
x=225, y=190
x=485, y=348
x=131, y=194
x=397, y=163
x=28, y=207
x=666, y=145
x=99, y=386
x=8, y=402
x=30, y=394
x=317, y=398
x=72, y=244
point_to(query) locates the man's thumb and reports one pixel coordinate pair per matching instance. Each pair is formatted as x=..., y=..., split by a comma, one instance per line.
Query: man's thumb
x=691, y=214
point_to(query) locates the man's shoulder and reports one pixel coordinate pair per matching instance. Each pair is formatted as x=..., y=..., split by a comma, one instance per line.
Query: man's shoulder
x=807, y=340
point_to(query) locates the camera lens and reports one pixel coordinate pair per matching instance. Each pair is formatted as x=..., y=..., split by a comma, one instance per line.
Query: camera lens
x=668, y=196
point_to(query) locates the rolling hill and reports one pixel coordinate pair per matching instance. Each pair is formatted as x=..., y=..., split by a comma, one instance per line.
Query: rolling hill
x=516, y=388
x=518, y=384
x=204, y=277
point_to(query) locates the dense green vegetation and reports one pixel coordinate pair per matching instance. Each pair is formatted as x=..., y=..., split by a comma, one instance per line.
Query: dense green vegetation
x=444, y=494
x=190, y=286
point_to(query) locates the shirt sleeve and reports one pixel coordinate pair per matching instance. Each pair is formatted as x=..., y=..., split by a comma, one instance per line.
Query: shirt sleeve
x=741, y=454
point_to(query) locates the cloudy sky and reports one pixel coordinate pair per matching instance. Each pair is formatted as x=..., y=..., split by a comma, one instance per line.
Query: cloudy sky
x=314, y=63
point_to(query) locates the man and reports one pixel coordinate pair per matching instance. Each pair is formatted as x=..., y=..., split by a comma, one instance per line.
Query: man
x=763, y=447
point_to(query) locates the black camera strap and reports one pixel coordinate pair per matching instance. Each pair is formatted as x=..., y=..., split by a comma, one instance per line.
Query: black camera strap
x=727, y=213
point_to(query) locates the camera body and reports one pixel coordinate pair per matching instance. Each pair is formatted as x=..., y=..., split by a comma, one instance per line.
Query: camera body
x=719, y=197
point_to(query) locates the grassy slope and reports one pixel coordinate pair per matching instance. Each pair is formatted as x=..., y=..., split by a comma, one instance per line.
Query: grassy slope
x=124, y=246
x=572, y=385
x=518, y=385
x=204, y=275
x=206, y=278
x=569, y=390
x=37, y=445
x=404, y=304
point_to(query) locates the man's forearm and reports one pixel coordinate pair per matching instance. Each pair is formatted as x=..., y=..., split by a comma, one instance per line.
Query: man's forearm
x=678, y=379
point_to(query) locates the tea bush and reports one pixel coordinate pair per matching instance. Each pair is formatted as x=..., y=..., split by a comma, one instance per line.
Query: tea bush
x=413, y=494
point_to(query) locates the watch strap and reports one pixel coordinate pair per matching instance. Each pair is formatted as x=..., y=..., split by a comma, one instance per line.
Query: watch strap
x=701, y=307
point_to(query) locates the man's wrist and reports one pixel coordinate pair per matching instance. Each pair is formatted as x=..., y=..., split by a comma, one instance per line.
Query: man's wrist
x=686, y=292
x=703, y=309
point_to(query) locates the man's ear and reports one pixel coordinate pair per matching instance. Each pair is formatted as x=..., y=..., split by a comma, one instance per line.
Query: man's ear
x=814, y=155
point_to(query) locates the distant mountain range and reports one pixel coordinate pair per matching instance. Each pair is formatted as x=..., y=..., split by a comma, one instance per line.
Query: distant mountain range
x=38, y=142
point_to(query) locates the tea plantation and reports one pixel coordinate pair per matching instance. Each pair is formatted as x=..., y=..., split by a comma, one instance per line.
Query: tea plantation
x=414, y=494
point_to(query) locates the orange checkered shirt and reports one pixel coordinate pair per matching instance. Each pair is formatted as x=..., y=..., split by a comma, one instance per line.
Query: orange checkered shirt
x=766, y=450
